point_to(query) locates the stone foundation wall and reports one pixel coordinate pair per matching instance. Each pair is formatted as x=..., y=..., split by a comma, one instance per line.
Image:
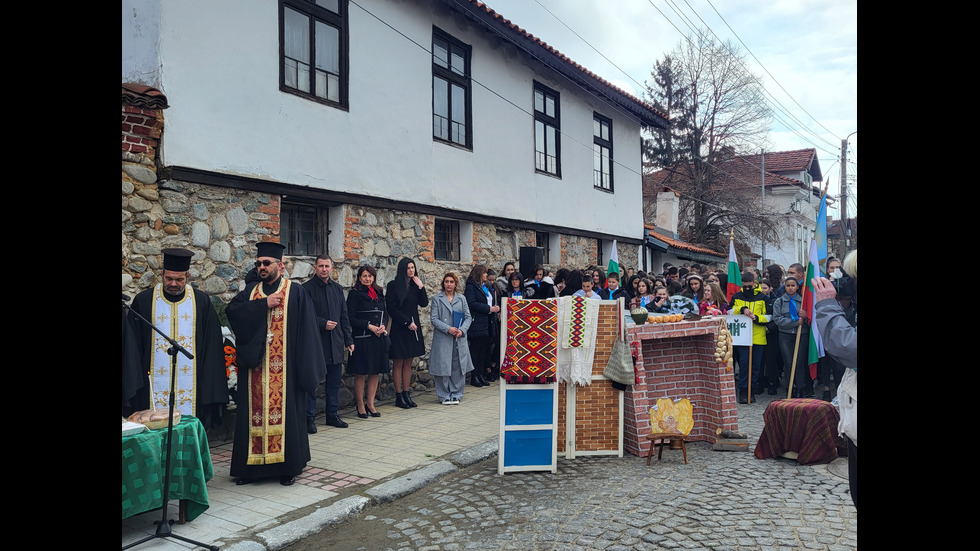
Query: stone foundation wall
x=222, y=225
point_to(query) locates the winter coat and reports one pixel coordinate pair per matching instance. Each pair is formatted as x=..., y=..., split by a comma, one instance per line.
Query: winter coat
x=329, y=304
x=780, y=315
x=755, y=302
x=840, y=341
x=476, y=301
x=441, y=315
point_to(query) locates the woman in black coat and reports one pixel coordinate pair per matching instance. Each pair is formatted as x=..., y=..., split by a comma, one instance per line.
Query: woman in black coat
x=404, y=297
x=366, y=309
x=482, y=305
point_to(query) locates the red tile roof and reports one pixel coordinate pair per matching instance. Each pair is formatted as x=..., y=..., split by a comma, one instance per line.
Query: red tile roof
x=678, y=244
x=740, y=172
x=485, y=13
x=789, y=161
x=143, y=96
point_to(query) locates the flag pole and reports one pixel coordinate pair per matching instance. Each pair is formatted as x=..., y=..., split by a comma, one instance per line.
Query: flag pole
x=792, y=369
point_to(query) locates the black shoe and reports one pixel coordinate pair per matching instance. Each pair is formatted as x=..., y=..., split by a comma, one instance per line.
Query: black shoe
x=374, y=413
x=408, y=399
x=336, y=421
x=310, y=426
x=287, y=480
x=743, y=396
x=827, y=397
x=400, y=401
x=475, y=381
x=362, y=415
x=243, y=481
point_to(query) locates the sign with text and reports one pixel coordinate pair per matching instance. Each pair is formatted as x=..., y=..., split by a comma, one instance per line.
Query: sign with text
x=741, y=329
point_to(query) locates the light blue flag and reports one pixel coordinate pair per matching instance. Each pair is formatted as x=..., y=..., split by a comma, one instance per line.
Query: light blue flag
x=820, y=235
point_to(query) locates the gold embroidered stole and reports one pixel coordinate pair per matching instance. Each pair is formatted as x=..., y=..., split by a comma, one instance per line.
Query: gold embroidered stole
x=177, y=319
x=267, y=388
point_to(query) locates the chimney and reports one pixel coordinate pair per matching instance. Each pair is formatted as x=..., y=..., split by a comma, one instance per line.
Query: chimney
x=668, y=209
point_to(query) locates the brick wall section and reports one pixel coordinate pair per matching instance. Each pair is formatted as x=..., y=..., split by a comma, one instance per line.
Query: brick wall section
x=352, y=238
x=141, y=130
x=596, y=405
x=677, y=361
x=428, y=244
x=272, y=222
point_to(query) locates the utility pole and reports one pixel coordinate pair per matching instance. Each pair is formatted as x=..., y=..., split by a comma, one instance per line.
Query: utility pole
x=845, y=226
x=763, y=204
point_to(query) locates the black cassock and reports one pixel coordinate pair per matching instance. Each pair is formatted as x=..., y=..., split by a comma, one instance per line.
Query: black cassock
x=212, y=379
x=305, y=369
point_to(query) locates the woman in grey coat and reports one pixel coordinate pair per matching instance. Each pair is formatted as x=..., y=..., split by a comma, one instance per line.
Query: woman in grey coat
x=449, y=361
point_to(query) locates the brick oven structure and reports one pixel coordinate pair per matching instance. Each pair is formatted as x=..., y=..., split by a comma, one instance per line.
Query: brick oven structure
x=677, y=361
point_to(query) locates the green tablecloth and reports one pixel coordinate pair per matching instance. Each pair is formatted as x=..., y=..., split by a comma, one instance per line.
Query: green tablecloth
x=144, y=460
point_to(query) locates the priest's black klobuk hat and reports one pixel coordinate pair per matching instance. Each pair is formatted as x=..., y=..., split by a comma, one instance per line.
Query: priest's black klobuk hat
x=177, y=260
x=269, y=249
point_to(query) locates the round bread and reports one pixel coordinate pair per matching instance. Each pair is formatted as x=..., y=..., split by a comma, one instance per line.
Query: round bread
x=154, y=418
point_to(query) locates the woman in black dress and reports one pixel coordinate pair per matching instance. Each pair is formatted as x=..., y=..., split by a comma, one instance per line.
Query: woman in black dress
x=366, y=309
x=404, y=297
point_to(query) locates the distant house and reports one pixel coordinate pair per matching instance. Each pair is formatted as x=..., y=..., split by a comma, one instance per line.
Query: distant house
x=835, y=237
x=791, y=198
x=661, y=242
x=435, y=129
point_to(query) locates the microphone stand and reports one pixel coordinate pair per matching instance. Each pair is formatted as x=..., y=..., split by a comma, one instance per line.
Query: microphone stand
x=164, y=529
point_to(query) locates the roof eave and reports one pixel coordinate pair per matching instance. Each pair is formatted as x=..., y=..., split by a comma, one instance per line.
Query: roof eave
x=576, y=75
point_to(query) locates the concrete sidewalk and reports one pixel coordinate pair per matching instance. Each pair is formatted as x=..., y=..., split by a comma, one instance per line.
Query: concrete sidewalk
x=373, y=461
x=346, y=464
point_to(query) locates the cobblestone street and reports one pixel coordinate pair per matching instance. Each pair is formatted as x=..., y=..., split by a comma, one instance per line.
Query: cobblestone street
x=719, y=500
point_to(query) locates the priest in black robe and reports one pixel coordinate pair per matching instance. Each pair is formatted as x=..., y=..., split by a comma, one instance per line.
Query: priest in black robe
x=208, y=388
x=280, y=361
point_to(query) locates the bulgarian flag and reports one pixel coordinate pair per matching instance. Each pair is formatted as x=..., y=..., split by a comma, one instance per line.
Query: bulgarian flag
x=734, y=275
x=613, y=261
x=816, y=343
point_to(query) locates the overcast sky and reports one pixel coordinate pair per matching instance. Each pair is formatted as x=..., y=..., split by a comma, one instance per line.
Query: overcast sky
x=809, y=47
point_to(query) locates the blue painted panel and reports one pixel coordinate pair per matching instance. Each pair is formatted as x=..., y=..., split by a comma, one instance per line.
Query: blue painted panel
x=528, y=447
x=529, y=407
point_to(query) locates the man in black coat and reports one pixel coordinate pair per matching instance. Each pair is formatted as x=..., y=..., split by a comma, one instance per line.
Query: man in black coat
x=335, y=335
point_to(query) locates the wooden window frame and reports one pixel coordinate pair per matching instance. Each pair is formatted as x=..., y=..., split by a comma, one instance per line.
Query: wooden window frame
x=540, y=236
x=598, y=144
x=452, y=78
x=323, y=15
x=288, y=217
x=552, y=121
x=450, y=251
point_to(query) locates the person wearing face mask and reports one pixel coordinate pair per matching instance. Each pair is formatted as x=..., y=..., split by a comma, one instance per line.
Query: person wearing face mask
x=751, y=303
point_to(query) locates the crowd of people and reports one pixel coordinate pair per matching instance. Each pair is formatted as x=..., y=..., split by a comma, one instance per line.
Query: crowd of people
x=290, y=337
